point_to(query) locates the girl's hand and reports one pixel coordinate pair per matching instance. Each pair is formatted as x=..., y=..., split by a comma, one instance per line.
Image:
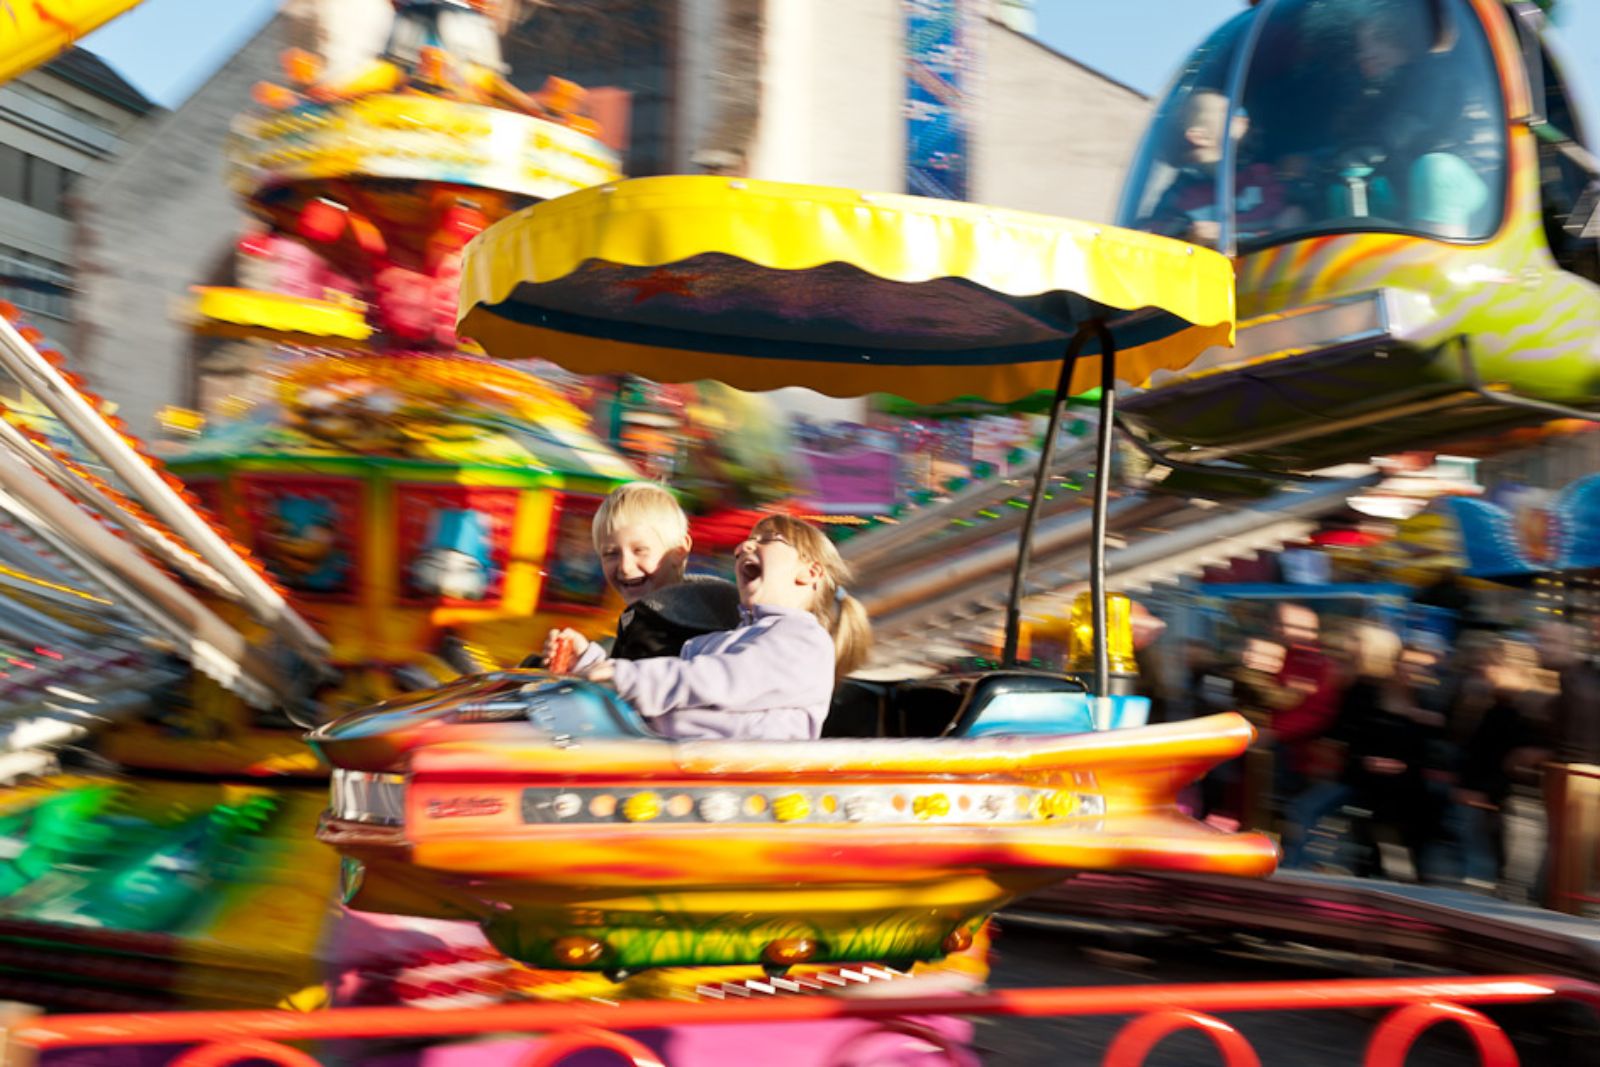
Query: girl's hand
x=602, y=672
x=564, y=636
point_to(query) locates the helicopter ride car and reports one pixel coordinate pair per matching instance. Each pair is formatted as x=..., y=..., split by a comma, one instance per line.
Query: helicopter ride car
x=1415, y=222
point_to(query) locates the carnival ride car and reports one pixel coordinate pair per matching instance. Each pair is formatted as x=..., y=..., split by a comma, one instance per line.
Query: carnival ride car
x=1415, y=224
x=544, y=809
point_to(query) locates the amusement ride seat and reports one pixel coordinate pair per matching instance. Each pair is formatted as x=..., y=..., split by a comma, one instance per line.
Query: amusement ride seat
x=960, y=705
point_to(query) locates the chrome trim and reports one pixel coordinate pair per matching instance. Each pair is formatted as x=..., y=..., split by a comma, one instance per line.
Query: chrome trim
x=365, y=797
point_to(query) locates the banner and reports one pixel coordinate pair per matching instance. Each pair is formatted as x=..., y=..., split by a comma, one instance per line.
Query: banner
x=941, y=46
x=855, y=481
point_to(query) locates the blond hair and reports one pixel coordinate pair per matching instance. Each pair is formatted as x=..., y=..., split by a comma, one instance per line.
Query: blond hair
x=841, y=614
x=647, y=504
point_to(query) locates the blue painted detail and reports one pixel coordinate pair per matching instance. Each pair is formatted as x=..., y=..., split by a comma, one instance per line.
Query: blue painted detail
x=1053, y=713
x=1495, y=547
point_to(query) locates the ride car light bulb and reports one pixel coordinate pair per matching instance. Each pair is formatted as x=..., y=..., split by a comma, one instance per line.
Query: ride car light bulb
x=1060, y=804
x=959, y=940
x=791, y=807
x=641, y=807
x=789, y=951
x=566, y=805
x=577, y=951
x=719, y=807
x=931, y=806
x=862, y=807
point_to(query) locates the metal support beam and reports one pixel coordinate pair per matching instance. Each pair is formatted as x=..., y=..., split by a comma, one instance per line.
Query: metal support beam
x=1041, y=478
x=213, y=646
x=151, y=539
x=1171, y=462
x=1505, y=398
x=35, y=374
x=1097, y=539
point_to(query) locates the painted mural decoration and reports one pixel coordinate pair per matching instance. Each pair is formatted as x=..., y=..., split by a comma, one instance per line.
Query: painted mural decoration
x=1531, y=531
x=572, y=575
x=454, y=541
x=307, y=529
x=941, y=44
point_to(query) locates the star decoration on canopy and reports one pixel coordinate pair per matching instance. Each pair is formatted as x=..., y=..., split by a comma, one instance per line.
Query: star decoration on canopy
x=660, y=282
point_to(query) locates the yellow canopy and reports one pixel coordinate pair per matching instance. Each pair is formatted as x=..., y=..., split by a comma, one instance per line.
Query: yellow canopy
x=762, y=285
x=35, y=31
x=219, y=311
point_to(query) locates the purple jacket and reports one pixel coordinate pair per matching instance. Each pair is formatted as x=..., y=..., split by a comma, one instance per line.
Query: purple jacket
x=769, y=680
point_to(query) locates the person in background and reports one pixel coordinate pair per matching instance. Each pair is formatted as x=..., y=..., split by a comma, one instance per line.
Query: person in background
x=1372, y=755
x=1304, y=697
x=1574, y=713
x=1386, y=733
x=1505, y=742
x=1188, y=209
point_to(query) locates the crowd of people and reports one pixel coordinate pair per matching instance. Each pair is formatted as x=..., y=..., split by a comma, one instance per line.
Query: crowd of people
x=1411, y=744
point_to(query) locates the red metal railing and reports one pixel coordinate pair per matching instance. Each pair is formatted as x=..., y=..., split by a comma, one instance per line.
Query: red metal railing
x=220, y=1038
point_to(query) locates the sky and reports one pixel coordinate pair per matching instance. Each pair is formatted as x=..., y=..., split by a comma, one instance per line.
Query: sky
x=169, y=47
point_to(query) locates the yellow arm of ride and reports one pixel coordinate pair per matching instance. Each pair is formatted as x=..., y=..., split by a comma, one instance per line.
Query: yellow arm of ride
x=33, y=32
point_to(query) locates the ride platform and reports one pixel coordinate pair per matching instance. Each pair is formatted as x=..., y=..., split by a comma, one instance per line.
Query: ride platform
x=1428, y=924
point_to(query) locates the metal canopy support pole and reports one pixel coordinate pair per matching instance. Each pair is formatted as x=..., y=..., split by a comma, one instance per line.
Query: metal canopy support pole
x=1041, y=478
x=1097, y=539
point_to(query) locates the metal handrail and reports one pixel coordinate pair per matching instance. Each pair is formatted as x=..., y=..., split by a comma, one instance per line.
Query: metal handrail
x=222, y=1037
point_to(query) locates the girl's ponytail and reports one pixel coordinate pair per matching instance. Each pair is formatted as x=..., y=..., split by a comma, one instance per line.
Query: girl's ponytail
x=852, y=635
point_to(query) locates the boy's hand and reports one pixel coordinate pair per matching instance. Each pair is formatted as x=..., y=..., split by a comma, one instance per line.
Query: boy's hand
x=565, y=638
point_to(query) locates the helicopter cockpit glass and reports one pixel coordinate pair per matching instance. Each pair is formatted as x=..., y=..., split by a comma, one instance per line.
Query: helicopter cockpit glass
x=1353, y=115
x=1172, y=184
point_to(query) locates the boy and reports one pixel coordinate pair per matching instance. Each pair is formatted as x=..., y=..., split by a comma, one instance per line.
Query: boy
x=642, y=538
x=1188, y=209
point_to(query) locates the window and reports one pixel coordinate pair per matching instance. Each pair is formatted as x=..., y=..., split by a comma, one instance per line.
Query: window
x=36, y=182
x=47, y=186
x=13, y=173
x=38, y=286
x=1354, y=117
x=1567, y=191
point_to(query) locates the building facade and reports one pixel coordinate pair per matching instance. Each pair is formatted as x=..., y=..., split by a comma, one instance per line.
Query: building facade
x=788, y=90
x=817, y=91
x=60, y=126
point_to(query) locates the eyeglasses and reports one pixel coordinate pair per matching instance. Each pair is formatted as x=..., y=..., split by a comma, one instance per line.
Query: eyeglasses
x=762, y=539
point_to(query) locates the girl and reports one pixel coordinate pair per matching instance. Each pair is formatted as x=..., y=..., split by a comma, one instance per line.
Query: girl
x=771, y=678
